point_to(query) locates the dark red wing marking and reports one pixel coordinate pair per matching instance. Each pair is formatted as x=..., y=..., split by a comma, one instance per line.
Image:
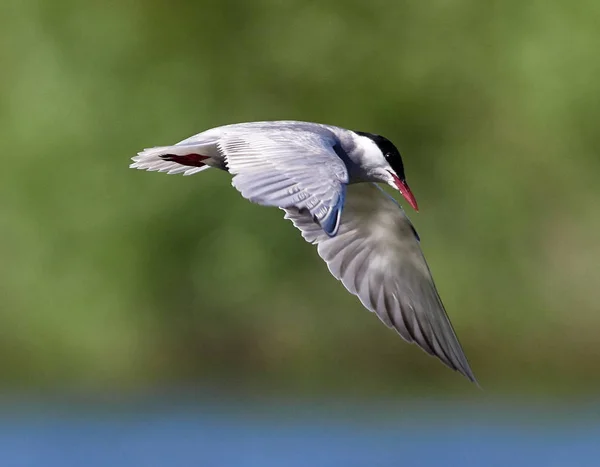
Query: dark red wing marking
x=193, y=160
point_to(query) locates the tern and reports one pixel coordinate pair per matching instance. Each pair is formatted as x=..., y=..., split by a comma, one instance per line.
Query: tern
x=326, y=179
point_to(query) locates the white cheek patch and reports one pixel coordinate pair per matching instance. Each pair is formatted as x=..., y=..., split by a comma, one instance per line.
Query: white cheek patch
x=372, y=156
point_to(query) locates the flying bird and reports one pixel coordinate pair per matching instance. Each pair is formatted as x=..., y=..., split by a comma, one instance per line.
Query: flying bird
x=326, y=179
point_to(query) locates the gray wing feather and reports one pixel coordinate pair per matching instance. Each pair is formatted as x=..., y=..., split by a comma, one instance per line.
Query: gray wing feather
x=287, y=168
x=377, y=256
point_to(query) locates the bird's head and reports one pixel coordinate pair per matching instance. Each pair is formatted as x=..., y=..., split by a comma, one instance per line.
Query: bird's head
x=389, y=167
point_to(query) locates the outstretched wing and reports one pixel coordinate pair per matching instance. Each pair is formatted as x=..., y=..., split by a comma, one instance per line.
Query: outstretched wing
x=376, y=255
x=289, y=169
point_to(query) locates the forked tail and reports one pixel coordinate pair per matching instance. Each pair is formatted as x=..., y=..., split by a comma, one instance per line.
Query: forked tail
x=185, y=159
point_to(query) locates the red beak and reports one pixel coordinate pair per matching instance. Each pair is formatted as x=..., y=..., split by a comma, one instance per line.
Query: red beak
x=404, y=190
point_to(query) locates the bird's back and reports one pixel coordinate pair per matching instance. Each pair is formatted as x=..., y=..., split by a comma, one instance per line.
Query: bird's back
x=292, y=128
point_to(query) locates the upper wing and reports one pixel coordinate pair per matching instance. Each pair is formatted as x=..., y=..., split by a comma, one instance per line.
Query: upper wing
x=376, y=255
x=289, y=169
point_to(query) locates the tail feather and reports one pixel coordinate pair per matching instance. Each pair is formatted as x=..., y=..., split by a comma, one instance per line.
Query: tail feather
x=185, y=159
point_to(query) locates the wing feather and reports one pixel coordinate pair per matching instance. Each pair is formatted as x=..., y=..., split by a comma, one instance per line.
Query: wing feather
x=289, y=169
x=377, y=256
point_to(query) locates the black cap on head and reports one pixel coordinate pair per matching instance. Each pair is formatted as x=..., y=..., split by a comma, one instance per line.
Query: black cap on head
x=390, y=152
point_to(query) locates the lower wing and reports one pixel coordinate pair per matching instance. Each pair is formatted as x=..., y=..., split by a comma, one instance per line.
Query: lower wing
x=377, y=256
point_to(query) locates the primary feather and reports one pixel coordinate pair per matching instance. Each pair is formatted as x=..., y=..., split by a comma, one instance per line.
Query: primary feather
x=376, y=255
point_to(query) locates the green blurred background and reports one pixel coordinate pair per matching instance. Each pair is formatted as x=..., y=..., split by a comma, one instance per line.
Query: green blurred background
x=117, y=279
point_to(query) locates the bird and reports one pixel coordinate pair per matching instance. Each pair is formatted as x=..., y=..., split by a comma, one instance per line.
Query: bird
x=327, y=181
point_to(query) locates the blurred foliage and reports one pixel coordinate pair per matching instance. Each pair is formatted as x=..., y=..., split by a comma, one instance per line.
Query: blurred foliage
x=118, y=278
